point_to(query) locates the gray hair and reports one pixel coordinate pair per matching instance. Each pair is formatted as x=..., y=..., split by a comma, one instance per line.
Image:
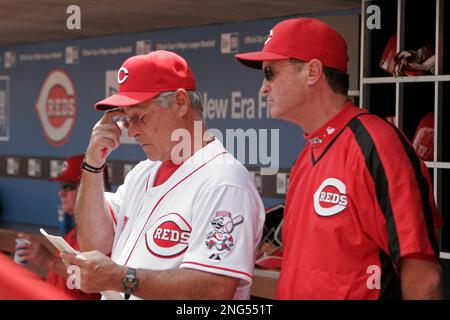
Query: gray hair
x=195, y=99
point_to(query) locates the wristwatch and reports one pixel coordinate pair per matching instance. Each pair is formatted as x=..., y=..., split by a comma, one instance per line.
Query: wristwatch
x=129, y=282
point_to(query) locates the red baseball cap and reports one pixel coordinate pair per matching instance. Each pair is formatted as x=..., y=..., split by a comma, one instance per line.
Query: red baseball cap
x=70, y=170
x=144, y=77
x=304, y=39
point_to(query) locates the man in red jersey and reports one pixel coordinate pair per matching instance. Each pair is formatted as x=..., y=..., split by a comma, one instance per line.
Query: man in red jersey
x=360, y=219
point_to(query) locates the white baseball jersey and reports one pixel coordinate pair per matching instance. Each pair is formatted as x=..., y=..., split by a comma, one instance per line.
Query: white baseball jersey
x=207, y=216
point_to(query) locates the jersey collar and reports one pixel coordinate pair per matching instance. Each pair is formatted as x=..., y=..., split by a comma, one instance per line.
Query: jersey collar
x=327, y=132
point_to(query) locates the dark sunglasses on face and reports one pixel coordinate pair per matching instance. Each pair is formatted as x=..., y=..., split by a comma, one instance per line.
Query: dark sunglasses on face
x=268, y=73
x=68, y=186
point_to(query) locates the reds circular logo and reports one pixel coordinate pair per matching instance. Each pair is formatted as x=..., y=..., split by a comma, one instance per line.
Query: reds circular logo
x=330, y=198
x=56, y=107
x=168, y=236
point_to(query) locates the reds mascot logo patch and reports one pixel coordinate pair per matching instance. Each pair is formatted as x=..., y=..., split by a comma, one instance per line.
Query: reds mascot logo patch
x=168, y=236
x=56, y=107
x=330, y=198
x=220, y=237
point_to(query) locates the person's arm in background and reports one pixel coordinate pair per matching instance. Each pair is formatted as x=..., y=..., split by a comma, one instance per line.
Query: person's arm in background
x=421, y=279
x=94, y=224
x=38, y=254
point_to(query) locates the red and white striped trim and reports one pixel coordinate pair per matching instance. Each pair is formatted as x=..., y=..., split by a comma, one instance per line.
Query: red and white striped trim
x=111, y=212
x=219, y=268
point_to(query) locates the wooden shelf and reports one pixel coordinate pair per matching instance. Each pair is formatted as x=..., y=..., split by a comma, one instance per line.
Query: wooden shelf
x=430, y=78
x=439, y=165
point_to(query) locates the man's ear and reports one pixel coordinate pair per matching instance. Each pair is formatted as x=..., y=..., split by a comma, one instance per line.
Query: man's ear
x=181, y=102
x=315, y=69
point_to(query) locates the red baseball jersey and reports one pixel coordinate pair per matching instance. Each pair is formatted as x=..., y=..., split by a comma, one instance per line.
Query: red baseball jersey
x=359, y=199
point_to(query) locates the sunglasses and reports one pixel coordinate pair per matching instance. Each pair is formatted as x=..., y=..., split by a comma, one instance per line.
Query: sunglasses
x=268, y=73
x=68, y=186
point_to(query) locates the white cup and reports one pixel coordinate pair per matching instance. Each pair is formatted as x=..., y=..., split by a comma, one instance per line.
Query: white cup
x=17, y=258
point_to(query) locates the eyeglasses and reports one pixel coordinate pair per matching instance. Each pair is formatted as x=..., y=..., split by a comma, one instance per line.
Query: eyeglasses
x=136, y=120
x=68, y=186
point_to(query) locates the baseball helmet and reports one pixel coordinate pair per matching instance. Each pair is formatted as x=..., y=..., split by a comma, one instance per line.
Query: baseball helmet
x=407, y=62
x=423, y=141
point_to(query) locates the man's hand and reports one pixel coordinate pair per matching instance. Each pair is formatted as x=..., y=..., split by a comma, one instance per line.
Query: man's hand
x=35, y=252
x=97, y=272
x=105, y=138
x=421, y=279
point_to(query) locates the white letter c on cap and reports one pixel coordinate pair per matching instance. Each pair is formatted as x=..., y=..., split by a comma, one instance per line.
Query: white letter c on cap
x=125, y=72
x=269, y=37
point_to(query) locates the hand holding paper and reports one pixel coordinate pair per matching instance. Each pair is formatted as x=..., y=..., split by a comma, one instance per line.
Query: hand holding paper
x=64, y=247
